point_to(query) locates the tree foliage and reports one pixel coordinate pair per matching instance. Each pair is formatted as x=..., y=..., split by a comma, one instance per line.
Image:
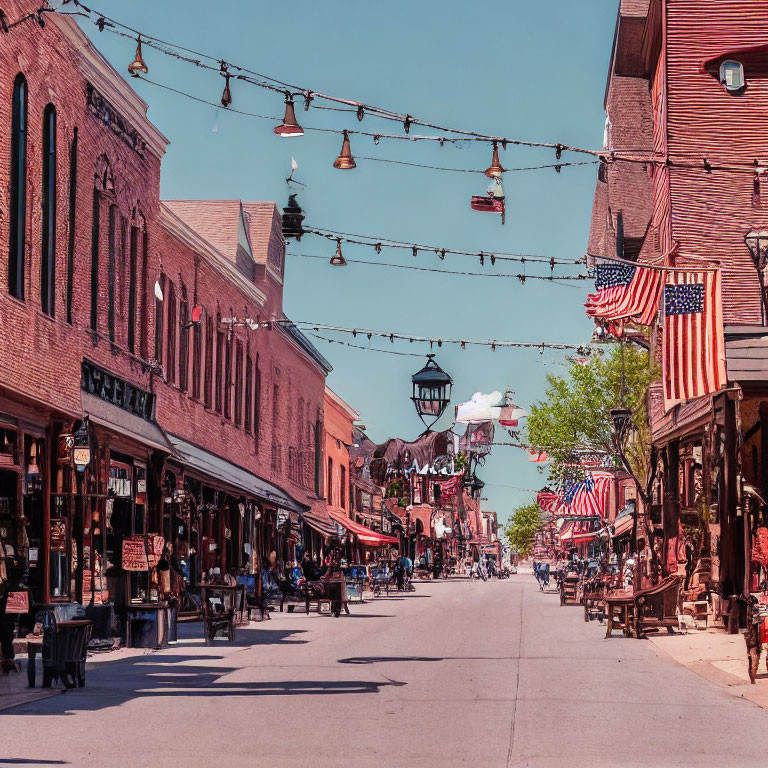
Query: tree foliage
x=525, y=521
x=575, y=412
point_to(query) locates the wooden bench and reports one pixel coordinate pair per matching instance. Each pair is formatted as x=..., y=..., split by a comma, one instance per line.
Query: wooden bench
x=658, y=606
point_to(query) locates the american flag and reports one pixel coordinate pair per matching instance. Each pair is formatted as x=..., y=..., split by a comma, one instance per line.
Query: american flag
x=588, y=496
x=693, y=359
x=625, y=291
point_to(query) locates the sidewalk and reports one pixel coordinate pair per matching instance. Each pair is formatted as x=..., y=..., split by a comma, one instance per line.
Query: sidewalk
x=718, y=657
x=14, y=691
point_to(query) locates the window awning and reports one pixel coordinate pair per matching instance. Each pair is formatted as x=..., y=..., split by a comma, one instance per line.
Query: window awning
x=364, y=535
x=325, y=528
x=623, y=525
x=236, y=477
x=121, y=421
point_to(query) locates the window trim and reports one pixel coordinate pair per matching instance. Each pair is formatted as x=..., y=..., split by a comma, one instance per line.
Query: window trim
x=17, y=238
x=49, y=194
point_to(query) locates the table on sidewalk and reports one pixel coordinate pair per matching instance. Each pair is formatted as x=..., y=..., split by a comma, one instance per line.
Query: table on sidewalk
x=620, y=612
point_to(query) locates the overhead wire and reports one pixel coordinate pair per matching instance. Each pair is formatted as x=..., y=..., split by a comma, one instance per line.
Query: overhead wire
x=391, y=335
x=520, y=277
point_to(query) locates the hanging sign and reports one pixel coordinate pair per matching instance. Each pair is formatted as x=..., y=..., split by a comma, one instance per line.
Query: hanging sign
x=141, y=555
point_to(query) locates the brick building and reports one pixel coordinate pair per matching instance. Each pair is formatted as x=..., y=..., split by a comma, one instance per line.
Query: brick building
x=150, y=385
x=686, y=90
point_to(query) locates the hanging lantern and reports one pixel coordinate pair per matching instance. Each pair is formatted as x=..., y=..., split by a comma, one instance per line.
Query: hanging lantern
x=494, y=170
x=290, y=125
x=338, y=260
x=345, y=161
x=138, y=65
x=431, y=392
x=292, y=218
x=621, y=418
x=226, y=96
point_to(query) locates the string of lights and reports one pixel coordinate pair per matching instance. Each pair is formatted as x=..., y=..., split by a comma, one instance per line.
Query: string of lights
x=290, y=90
x=367, y=349
x=521, y=277
x=377, y=243
x=494, y=344
x=222, y=65
x=475, y=170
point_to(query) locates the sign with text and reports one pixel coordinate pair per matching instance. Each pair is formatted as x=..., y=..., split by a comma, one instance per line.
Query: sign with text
x=140, y=553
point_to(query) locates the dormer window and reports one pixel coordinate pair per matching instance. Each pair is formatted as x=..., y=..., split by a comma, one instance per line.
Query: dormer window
x=732, y=76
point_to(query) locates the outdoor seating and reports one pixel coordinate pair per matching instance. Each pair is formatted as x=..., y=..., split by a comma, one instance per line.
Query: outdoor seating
x=619, y=612
x=331, y=591
x=569, y=590
x=219, y=610
x=63, y=646
x=594, y=591
x=658, y=606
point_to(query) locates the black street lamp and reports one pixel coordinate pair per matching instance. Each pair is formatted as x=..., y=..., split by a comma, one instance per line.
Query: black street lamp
x=431, y=392
x=621, y=418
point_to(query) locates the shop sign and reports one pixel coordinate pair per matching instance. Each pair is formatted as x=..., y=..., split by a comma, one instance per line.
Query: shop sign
x=18, y=602
x=140, y=553
x=82, y=457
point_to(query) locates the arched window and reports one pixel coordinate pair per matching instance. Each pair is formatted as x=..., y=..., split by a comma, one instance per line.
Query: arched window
x=48, y=253
x=18, y=221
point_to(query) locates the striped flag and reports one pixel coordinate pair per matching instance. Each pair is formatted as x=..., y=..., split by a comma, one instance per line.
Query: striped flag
x=625, y=290
x=693, y=359
x=588, y=497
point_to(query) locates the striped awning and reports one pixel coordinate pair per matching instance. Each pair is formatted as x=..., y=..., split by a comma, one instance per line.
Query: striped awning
x=366, y=536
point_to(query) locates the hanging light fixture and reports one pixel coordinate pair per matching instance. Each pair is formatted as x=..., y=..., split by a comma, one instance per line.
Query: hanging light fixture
x=290, y=125
x=226, y=96
x=494, y=170
x=138, y=65
x=345, y=161
x=338, y=260
x=431, y=392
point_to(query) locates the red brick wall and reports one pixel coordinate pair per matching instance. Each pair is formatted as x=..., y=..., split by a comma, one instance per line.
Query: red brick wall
x=338, y=436
x=40, y=356
x=301, y=383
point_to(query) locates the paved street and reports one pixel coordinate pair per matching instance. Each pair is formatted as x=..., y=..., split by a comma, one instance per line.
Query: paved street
x=441, y=677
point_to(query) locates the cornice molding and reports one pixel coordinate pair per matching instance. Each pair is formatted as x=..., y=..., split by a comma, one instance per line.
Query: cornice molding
x=109, y=83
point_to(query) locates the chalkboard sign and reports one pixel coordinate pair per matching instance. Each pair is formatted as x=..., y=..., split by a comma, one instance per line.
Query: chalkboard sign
x=141, y=555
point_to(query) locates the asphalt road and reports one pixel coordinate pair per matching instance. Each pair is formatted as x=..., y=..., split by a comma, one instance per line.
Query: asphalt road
x=489, y=674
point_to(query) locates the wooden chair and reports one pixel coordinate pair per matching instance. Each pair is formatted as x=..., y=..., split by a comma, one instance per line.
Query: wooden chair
x=658, y=606
x=218, y=612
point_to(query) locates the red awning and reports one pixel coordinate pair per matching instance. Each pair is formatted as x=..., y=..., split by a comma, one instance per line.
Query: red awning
x=623, y=525
x=364, y=535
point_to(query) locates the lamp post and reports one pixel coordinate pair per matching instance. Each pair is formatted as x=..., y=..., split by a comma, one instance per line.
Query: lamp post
x=756, y=241
x=431, y=392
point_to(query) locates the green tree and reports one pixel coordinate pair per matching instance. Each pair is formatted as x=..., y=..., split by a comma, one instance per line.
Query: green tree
x=575, y=414
x=525, y=521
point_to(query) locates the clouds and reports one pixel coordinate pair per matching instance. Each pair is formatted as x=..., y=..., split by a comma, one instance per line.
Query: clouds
x=479, y=408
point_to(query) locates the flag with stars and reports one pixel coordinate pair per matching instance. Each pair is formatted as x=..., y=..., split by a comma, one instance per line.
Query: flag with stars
x=625, y=290
x=693, y=358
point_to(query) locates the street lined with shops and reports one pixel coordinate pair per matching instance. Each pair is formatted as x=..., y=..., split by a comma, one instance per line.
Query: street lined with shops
x=457, y=672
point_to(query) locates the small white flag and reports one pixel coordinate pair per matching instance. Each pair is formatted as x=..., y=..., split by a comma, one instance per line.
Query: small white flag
x=294, y=165
x=158, y=291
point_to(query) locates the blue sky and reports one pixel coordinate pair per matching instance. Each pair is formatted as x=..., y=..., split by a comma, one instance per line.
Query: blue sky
x=529, y=70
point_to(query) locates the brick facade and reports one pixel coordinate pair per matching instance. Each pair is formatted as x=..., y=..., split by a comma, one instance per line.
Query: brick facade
x=237, y=384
